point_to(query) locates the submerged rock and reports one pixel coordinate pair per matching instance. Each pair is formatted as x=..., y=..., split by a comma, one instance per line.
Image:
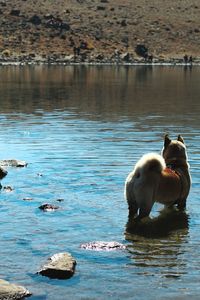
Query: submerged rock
x=60, y=199
x=8, y=189
x=60, y=266
x=12, y=163
x=27, y=199
x=39, y=174
x=48, y=207
x=9, y=291
x=103, y=246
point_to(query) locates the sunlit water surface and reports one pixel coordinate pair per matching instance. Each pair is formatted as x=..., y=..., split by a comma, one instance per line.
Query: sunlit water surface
x=81, y=130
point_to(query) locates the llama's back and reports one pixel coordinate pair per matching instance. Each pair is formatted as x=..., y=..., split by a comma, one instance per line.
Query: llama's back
x=150, y=162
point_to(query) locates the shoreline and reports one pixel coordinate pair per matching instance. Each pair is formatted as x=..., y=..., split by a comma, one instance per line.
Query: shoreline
x=123, y=59
x=95, y=63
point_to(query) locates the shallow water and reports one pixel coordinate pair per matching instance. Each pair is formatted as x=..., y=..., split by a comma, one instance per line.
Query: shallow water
x=81, y=129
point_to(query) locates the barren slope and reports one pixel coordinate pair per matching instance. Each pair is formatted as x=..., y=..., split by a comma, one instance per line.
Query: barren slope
x=46, y=27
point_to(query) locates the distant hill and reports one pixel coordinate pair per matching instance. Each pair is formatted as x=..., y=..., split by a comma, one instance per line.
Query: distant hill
x=99, y=27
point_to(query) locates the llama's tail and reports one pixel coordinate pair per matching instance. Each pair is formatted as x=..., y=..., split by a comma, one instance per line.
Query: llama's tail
x=141, y=183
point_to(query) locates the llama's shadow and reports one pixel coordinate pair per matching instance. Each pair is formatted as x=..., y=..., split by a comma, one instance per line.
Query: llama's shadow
x=167, y=221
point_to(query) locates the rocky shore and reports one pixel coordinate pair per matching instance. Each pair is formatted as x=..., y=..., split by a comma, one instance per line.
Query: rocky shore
x=121, y=59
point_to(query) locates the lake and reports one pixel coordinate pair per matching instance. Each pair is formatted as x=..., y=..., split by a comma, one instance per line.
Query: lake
x=81, y=129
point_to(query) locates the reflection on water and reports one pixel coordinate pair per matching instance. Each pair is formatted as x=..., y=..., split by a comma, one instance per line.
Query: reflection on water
x=81, y=130
x=161, y=226
x=162, y=252
x=164, y=257
x=98, y=90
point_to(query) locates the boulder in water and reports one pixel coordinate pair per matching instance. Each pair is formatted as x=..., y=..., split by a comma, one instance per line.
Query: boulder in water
x=9, y=291
x=60, y=266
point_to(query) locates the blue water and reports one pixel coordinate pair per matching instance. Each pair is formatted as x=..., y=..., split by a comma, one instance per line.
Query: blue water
x=81, y=129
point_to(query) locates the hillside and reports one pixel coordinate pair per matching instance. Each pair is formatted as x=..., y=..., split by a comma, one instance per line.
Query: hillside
x=99, y=28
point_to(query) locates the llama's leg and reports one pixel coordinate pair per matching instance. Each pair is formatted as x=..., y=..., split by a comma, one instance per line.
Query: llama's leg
x=181, y=204
x=133, y=209
x=145, y=210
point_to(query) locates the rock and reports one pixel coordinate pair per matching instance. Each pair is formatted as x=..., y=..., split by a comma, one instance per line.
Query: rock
x=98, y=35
x=60, y=199
x=123, y=23
x=141, y=50
x=3, y=173
x=100, y=57
x=126, y=57
x=99, y=7
x=3, y=3
x=8, y=189
x=27, y=199
x=10, y=291
x=35, y=19
x=6, y=53
x=15, y=12
x=13, y=163
x=48, y=16
x=65, y=26
x=125, y=40
x=103, y=246
x=60, y=266
x=48, y=207
x=56, y=23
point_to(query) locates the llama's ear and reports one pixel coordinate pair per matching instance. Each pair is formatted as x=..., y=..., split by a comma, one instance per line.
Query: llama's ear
x=167, y=140
x=180, y=139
